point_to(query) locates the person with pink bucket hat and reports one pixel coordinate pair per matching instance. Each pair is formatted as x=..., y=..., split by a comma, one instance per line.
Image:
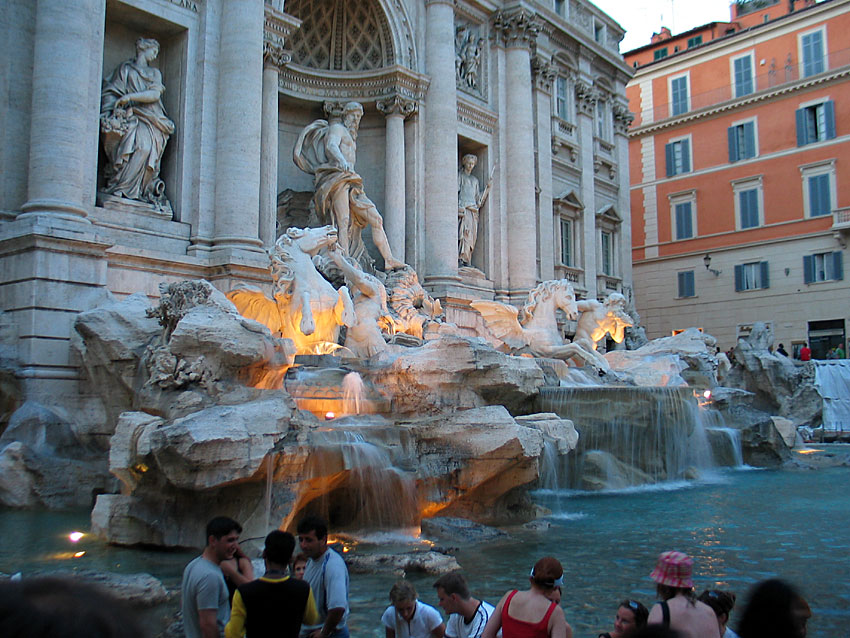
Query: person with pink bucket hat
x=679, y=608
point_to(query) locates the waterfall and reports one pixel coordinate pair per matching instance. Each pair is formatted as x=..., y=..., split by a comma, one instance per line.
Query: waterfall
x=353, y=483
x=631, y=435
x=353, y=391
x=725, y=441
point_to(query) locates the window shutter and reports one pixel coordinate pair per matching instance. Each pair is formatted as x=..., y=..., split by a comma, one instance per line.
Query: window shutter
x=731, y=133
x=686, y=156
x=765, y=280
x=801, y=127
x=689, y=280
x=750, y=139
x=808, y=269
x=681, y=277
x=739, y=278
x=829, y=118
x=668, y=151
x=837, y=260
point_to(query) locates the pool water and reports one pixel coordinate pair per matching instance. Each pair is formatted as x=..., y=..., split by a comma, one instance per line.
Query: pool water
x=741, y=526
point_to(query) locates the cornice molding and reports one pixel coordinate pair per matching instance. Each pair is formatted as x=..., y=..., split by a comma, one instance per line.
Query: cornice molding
x=364, y=86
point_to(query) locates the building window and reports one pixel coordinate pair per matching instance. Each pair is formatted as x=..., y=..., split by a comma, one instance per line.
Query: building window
x=742, y=72
x=660, y=53
x=812, y=53
x=823, y=267
x=815, y=123
x=679, y=102
x=683, y=213
x=742, y=141
x=686, y=284
x=694, y=41
x=748, y=207
x=607, y=253
x=566, y=242
x=751, y=276
x=678, y=157
x=560, y=7
x=599, y=31
x=603, y=120
x=562, y=98
x=818, y=189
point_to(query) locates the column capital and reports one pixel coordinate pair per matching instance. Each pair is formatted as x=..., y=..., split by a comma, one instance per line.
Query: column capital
x=277, y=26
x=586, y=97
x=518, y=28
x=397, y=105
x=274, y=55
x=623, y=118
x=543, y=72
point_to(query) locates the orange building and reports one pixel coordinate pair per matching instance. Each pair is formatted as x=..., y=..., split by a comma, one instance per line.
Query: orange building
x=740, y=174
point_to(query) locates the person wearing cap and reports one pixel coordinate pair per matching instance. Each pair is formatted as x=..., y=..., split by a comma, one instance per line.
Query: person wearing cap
x=531, y=613
x=679, y=609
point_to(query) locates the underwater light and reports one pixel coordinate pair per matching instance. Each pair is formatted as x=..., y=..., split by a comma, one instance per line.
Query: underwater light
x=329, y=416
x=75, y=536
x=707, y=394
x=79, y=554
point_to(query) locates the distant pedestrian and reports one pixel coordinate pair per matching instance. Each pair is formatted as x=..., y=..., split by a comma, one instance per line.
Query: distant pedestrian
x=805, y=353
x=781, y=350
x=839, y=352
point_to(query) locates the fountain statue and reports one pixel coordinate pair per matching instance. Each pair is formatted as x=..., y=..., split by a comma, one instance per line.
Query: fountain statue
x=327, y=150
x=135, y=129
x=305, y=308
x=469, y=202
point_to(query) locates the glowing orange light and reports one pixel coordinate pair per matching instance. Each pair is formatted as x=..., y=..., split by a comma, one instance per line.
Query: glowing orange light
x=75, y=536
x=329, y=416
x=346, y=549
x=808, y=451
x=707, y=394
x=79, y=554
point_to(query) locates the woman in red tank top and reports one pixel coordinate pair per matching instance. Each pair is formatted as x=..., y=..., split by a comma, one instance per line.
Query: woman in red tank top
x=531, y=613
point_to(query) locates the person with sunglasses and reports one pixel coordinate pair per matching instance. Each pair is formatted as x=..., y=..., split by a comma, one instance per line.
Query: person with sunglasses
x=631, y=616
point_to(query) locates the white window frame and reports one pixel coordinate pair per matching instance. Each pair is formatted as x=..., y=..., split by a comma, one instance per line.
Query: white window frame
x=757, y=265
x=683, y=197
x=826, y=167
x=560, y=240
x=824, y=257
x=749, y=54
x=690, y=141
x=687, y=76
x=747, y=184
x=755, y=122
x=800, y=36
x=815, y=103
x=566, y=98
x=603, y=119
x=614, y=266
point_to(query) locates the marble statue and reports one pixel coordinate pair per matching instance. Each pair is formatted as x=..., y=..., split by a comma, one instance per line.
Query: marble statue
x=468, y=48
x=306, y=308
x=535, y=327
x=135, y=128
x=327, y=150
x=413, y=308
x=599, y=319
x=364, y=338
x=469, y=202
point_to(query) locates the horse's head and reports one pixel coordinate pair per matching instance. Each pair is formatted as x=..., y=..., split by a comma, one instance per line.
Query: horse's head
x=565, y=298
x=312, y=240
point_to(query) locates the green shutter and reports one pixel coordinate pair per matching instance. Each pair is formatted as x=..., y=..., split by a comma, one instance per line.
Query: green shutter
x=808, y=269
x=765, y=279
x=802, y=138
x=739, y=278
x=732, y=135
x=838, y=265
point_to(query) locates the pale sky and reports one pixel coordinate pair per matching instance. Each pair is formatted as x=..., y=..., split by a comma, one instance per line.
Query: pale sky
x=640, y=18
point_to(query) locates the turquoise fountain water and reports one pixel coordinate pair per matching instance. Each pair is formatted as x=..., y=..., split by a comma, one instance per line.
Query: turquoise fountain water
x=740, y=525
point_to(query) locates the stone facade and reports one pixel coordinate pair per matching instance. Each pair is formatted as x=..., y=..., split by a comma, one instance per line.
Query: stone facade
x=536, y=95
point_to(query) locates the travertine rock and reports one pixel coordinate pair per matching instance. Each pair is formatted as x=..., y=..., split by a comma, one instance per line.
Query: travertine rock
x=459, y=530
x=401, y=564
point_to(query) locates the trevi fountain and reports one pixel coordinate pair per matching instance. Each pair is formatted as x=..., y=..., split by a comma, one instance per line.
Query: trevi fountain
x=412, y=361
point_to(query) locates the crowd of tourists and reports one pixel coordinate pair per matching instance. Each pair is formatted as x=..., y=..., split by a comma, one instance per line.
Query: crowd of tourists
x=305, y=595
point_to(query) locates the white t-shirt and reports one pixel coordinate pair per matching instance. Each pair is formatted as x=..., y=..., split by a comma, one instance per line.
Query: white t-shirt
x=425, y=620
x=457, y=627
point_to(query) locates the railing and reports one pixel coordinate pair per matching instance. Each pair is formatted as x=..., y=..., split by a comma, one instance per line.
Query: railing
x=779, y=73
x=569, y=273
x=841, y=218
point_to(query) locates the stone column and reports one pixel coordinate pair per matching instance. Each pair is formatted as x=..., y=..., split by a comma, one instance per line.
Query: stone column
x=65, y=107
x=586, y=107
x=622, y=121
x=440, y=123
x=519, y=30
x=544, y=76
x=239, y=125
x=396, y=109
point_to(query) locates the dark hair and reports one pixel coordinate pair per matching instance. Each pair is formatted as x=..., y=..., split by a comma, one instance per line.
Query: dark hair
x=279, y=546
x=666, y=592
x=546, y=571
x=656, y=631
x=641, y=613
x=222, y=526
x=770, y=611
x=722, y=602
x=453, y=583
x=313, y=523
x=53, y=607
x=300, y=557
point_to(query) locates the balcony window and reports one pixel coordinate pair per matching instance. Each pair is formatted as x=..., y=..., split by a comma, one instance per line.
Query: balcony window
x=679, y=102
x=743, y=75
x=812, y=52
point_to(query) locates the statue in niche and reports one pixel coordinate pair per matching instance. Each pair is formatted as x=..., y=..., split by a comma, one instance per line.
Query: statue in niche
x=135, y=128
x=468, y=48
x=469, y=202
x=364, y=338
x=327, y=150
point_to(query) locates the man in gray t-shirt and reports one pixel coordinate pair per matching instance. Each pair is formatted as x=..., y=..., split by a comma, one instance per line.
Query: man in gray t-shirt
x=206, y=607
x=328, y=577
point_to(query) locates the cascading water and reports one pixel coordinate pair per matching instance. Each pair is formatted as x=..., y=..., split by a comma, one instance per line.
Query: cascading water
x=630, y=435
x=353, y=393
x=725, y=441
x=352, y=483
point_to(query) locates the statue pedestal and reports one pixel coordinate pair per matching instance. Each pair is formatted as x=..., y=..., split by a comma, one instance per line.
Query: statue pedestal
x=123, y=205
